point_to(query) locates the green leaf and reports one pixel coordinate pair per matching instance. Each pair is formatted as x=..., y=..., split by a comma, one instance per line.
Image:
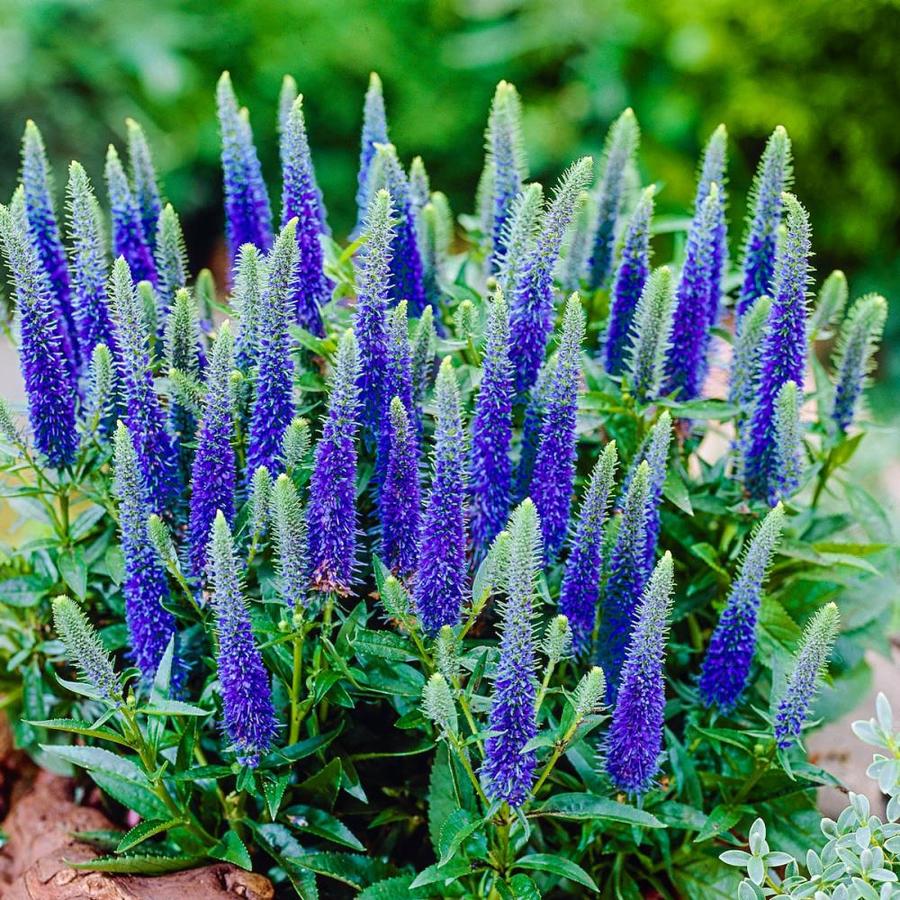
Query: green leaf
x=322, y=788
x=24, y=591
x=557, y=865
x=446, y=793
x=274, y=791
x=721, y=820
x=232, y=849
x=397, y=888
x=146, y=829
x=173, y=708
x=459, y=826
x=357, y=871
x=322, y=824
x=708, y=554
x=590, y=806
x=715, y=410
x=295, y=752
x=385, y=644
x=676, y=492
x=138, y=864
x=435, y=874
x=96, y=759
x=75, y=726
x=73, y=570
x=131, y=794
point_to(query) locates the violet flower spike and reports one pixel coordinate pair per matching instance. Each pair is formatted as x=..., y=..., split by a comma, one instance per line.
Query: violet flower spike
x=128, y=238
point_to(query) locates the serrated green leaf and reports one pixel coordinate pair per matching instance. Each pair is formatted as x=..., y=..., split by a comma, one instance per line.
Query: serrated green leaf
x=315, y=821
x=75, y=726
x=146, y=829
x=590, y=806
x=556, y=865
x=232, y=849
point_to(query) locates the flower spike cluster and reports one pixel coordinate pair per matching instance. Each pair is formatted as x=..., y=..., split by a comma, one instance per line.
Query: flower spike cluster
x=726, y=666
x=809, y=663
x=508, y=769
x=374, y=131
x=249, y=716
x=520, y=234
x=248, y=216
x=332, y=493
x=581, y=582
x=491, y=467
x=773, y=178
x=214, y=474
x=788, y=462
x=783, y=352
x=171, y=258
x=249, y=280
x=631, y=276
x=440, y=583
x=128, y=238
x=713, y=172
x=150, y=625
x=300, y=199
x=289, y=526
x=554, y=465
x=143, y=180
x=43, y=229
x=50, y=385
x=635, y=736
x=618, y=154
x=531, y=307
x=273, y=405
x=399, y=501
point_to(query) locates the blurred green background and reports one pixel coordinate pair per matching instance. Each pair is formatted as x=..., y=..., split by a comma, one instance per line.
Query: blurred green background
x=826, y=70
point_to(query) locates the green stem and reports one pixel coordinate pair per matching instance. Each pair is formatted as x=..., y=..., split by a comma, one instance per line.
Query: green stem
x=467, y=765
x=558, y=750
x=758, y=772
x=296, y=688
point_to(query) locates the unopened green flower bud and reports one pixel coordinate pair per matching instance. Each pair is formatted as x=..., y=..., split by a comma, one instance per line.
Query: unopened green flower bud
x=557, y=640
x=395, y=598
x=162, y=542
x=8, y=430
x=295, y=445
x=438, y=704
x=445, y=651
x=464, y=320
x=84, y=647
x=260, y=490
x=588, y=699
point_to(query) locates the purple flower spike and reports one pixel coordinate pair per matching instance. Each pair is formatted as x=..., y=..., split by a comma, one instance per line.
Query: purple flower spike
x=150, y=625
x=332, y=492
x=143, y=180
x=581, y=582
x=128, y=238
x=656, y=452
x=300, y=199
x=508, y=770
x=248, y=216
x=783, y=353
x=249, y=716
x=554, y=465
x=441, y=580
x=374, y=131
x=273, y=403
x=773, y=177
x=399, y=505
x=213, y=477
x=37, y=182
x=143, y=413
x=635, y=737
x=726, y=666
x=713, y=171
x=631, y=276
x=491, y=475
x=50, y=385
x=531, y=307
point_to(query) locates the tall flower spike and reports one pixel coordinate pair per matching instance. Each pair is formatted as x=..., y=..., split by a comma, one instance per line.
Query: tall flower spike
x=618, y=153
x=398, y=374
x=248, y=216
x=101, y=392
x=424, y=349
x=713, y=172
x=407, y=280
x=171, y=258
x=150, y=624
x=399, y=501
x=554, y=465
x=532, y=422
x=37, y=182
x=89, y=264
x=332, y=492
x=577, y=245
x=128, y=238
x=628, y=285
x=626, y=581
x=419, y=185
x=686, y=365
x=374, y=131
x=788, y=465
x=783, y=353
x=581, y=582
x=248, y=288
x=143, y=413
x=809, y=664
x=84, y=648
x=290, y=540
x=373, y=290
x=214, y=474
x=183, y=354
x=520, y=234
x=657, y=455
x=434, y=227
x=491, y=467
x=726, y=666
x=440, y=583
x=531, y=308
x=508, y=770
x=746, y=353
x=505, y=157
x=830, y=303
x=143, y=180
x=300, y=200
x=273, y=403
x=636, y=733
x=249, y=716
x=650, y=334
x=855, y=356
x=50, y=385
x=773, y=177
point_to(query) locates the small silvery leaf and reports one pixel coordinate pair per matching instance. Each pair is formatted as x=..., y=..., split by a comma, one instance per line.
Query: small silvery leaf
x=884, y=713
x=757, y=836
x=738, y=858
x=756, y=870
